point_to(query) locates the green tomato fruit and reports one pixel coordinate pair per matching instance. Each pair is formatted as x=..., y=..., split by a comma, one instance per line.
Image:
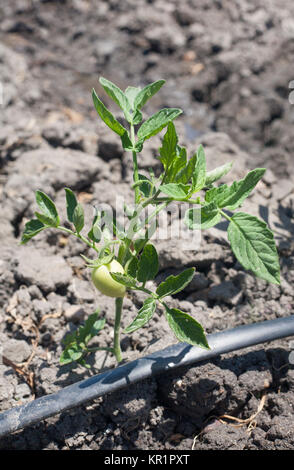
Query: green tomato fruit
x=103, y=281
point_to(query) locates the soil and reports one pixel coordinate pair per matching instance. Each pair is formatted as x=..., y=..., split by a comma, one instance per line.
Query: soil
x=228, y=65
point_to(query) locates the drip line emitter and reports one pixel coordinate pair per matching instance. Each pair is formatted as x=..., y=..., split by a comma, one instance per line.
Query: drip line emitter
x=170, y=358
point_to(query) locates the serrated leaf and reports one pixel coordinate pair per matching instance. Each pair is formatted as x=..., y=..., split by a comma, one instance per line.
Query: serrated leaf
x=71, y=203
x=144, y=315
x=48, y=208
x=199, y=172
x=108, y=117
x=217, y=173
x=185, y=173
x=185, y=328
x=174, y=284
x=148, y=264
x=168, y=150
x=157, y=122
x=117, y=95
x=172, y=156
x=175, y=190
x=178, y=163
x=32, y=228
x=146, y=93
x=253, y=244
x=202, y=218
x=78, y=218
x=233, y=196
x=124, y=279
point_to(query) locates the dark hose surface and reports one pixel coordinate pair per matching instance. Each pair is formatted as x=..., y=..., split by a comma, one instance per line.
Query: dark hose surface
x=180, y=354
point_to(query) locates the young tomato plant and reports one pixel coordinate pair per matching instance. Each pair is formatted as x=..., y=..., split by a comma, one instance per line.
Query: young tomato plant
x=127, y=259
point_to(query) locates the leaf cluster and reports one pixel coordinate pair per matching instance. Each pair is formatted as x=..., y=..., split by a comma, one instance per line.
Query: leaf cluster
x=76, y=343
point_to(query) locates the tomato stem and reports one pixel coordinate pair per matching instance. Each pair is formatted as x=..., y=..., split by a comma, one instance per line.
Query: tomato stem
x=118, y=312
x=135, y=165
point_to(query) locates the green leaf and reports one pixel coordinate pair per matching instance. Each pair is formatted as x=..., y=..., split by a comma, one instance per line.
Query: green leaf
x=91, y=328
x=217, y=173
x=32, y=228
x=139, y=244
x=100, y=261
x=185, y=328
x=78, y=218
x=199, y=172
x=145, y=185
x=139, y=146
x=185, y=174
x=253, y=245
x=233, y=196
x=202, y=218
x=48, y=209
x=117, y=95
x=76, y=342
x=70, y=354
x=178, y=163
x=131, y=92
x=148, y=264
x=168, y=151
x=146, y=93
x=175, y=190
x=144, y=315
x=71, y=203
x=132, y=267
x=172, y=156
x=124, y=279
x=126, y=142
x=108, y=117
x=174, y=284
x=45, y=220
x=137, y=117
x=157, y=122
x=95, y=233
x=83, y=363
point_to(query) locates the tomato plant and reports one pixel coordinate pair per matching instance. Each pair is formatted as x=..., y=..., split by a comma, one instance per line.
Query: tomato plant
x=127, y=260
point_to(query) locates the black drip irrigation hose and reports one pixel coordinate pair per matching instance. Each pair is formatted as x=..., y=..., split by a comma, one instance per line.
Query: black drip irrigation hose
x=170, y=358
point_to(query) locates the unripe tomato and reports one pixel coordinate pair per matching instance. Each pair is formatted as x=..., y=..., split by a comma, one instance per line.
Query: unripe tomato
x=103, y=281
